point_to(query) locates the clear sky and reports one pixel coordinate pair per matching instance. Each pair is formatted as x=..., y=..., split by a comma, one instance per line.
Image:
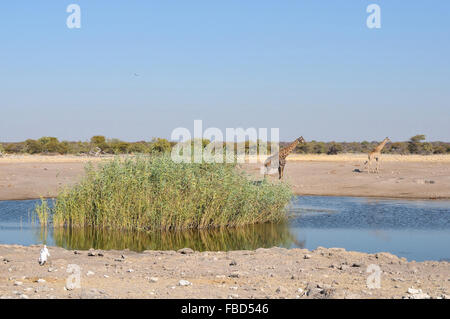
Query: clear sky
x=311, y=68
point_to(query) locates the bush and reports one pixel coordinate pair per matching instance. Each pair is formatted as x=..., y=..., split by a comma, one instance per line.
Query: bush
x=33, y=146
x=157, y=193
x=139, y=148
x=99, y=141
x=334, y=149
x=160, y=145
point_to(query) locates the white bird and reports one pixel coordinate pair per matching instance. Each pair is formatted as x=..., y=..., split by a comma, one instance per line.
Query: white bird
x=44, y=255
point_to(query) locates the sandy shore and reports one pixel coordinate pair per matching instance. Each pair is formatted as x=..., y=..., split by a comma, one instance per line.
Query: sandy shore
x=413, y=176
x=264, y=273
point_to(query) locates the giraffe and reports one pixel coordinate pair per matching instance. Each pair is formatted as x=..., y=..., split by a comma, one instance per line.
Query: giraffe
x=376, y=154
x=282, y=154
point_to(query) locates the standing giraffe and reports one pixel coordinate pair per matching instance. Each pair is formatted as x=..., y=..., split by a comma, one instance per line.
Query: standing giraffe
x=282, y=154
x=376, y=154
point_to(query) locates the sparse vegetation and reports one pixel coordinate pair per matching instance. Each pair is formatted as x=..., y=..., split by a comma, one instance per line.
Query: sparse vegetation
x=150, y=193
x=51, y=145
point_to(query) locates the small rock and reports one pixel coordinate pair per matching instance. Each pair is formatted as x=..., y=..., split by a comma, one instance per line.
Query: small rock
x=323, y=286
x=130, y=270
x=233, y=296
x=90, y=273
x=185, y=251
x=154, y=279
x=18, y=283
x=280, y=290
x=307, y=256
x=183, y=282
x=414, y=291
x=23, y=296
x=106, y=276
x=41, y=281
x=233, y=263
x=300, y=290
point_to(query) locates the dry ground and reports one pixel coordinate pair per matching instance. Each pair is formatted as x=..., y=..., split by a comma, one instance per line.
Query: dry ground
x=264, y=273
x=412, y=176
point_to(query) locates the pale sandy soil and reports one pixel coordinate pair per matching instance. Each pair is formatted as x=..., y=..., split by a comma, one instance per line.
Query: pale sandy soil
x=413, y=176
x=264, y=273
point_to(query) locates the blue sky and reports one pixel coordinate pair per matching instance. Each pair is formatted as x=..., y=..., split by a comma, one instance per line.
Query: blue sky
x=311, y=68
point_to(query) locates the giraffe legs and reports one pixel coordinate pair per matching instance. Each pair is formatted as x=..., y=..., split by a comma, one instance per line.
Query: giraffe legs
x=369, y=161
x=378, y=164
x=280, y=171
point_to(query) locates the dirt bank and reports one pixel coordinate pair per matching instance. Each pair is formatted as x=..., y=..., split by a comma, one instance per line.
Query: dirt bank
x=428, y=177
x=264, y=273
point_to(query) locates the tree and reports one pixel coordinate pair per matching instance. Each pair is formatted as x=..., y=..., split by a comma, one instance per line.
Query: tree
x=98, y=139
x=33, y=146
x=160, y=145
x=334, y=149
x=418, y=138
x=49, y=144
x=415, y=145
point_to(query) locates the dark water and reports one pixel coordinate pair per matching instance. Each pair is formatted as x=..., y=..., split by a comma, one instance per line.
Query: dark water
x=417, y=230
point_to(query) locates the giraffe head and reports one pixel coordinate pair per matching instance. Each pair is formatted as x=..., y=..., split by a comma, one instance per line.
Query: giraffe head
x=387, y=140
x=301, y=139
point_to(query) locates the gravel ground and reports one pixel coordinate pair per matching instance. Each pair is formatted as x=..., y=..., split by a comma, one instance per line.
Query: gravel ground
x=264, y=273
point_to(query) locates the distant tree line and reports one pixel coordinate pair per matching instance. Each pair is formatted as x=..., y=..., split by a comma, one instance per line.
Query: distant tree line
x=51, y=145
x=416, y=145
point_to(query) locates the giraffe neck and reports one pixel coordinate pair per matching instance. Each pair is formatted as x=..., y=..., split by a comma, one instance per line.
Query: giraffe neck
x=381, y=146
x=288, y=149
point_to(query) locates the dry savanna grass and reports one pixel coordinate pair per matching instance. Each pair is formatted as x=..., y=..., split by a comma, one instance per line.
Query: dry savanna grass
x=437, y=158
x=358, y=157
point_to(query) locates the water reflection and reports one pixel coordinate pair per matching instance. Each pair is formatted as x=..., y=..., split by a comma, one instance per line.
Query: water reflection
x=249, y=237
x=417, y=230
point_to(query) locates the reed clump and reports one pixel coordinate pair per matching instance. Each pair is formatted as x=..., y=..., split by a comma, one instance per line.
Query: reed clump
x=155, y=193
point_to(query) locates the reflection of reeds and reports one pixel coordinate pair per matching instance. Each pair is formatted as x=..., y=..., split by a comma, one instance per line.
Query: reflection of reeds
x=220, y=239
x=43, y=212
x=157, y=193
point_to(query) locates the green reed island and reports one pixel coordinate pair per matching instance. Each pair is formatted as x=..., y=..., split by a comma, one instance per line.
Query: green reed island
x=155, y=193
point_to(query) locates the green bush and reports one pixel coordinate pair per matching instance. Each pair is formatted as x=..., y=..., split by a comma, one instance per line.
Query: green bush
x=160, y=145
x=157, y=193
x=33, y=146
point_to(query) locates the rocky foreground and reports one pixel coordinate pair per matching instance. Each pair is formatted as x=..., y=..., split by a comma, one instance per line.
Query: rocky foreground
x=264, y=273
